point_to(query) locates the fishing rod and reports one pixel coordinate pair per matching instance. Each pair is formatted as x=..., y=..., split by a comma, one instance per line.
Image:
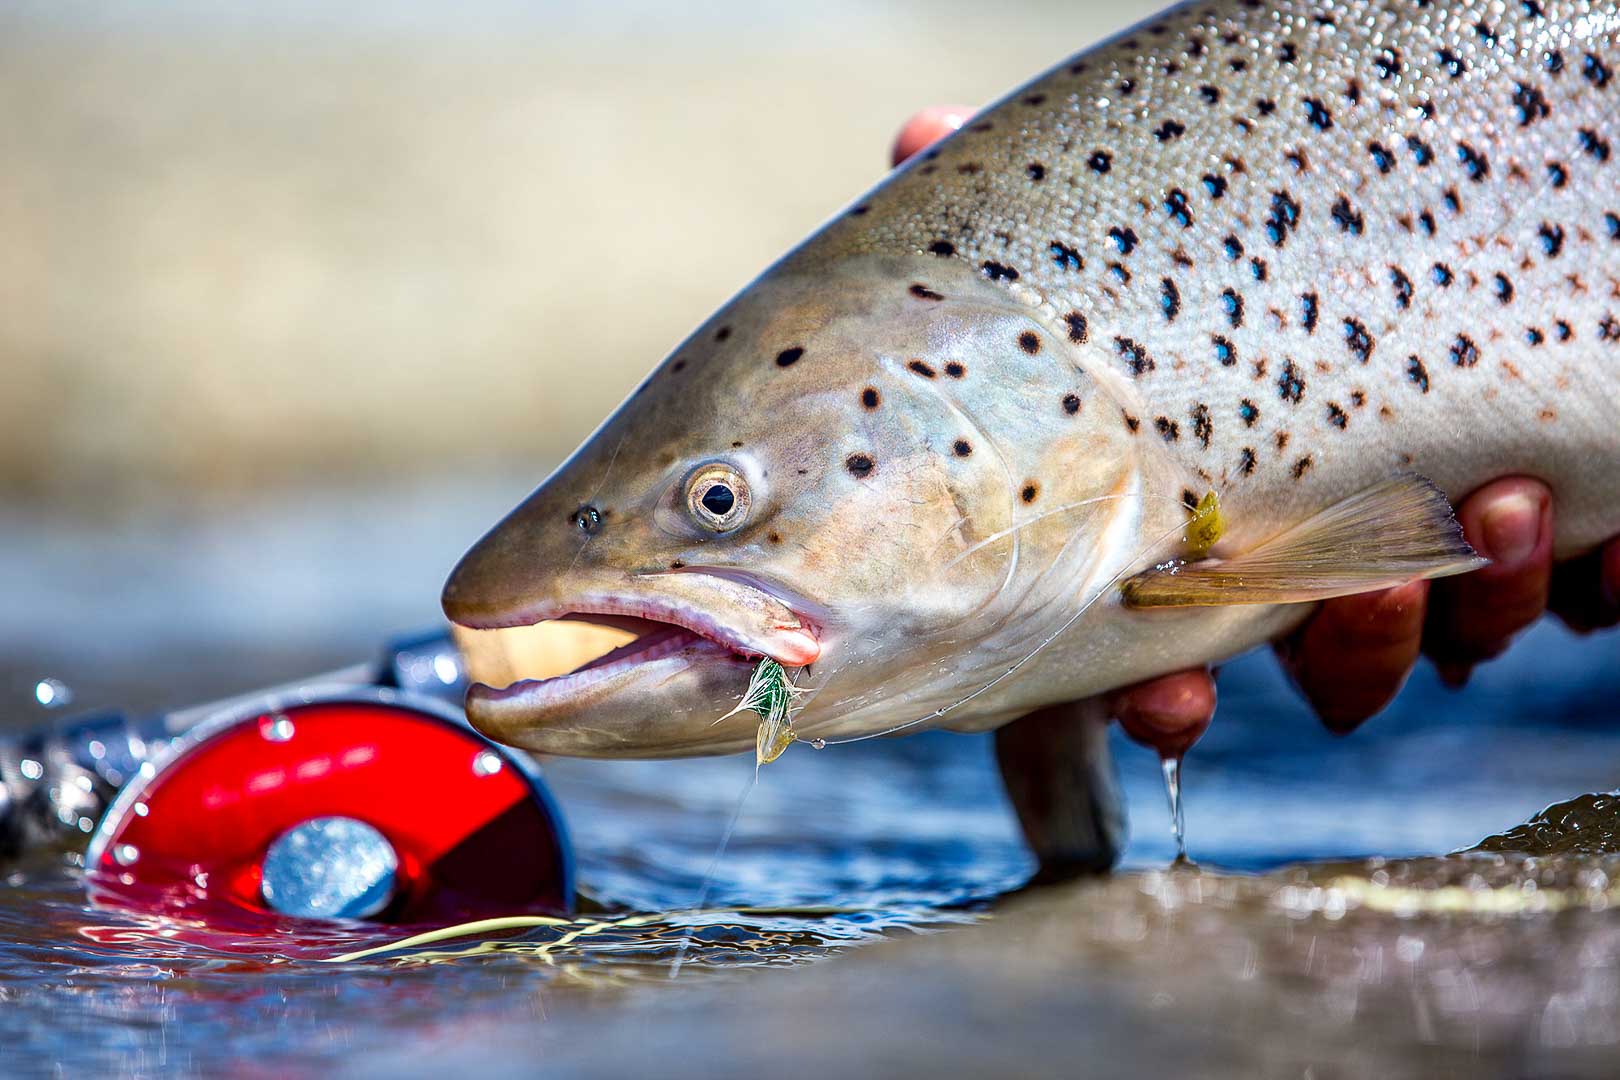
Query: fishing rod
x=358, y=793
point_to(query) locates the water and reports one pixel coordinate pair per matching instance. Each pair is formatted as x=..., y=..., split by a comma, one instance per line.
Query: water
x=906, y=841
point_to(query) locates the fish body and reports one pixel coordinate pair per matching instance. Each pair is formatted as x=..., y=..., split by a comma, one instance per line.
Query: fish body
x=1281, y=252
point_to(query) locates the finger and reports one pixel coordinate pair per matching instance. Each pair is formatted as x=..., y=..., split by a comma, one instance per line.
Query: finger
x=1167, y=714
x=1473, y=617
x=1586, y=590
x=1353, y=656
x=928, y=126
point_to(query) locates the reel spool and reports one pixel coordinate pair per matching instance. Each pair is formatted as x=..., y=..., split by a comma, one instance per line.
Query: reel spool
x=359, y=803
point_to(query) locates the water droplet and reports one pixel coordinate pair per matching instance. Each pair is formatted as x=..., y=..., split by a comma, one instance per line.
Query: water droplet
x=1172, y=792
x=818, y=744
x=52, y=693
x=276, y=728
x=487, y=763
x=126, y=854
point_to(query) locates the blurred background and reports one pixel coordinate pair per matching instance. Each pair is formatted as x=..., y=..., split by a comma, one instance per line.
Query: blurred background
x=296, y=299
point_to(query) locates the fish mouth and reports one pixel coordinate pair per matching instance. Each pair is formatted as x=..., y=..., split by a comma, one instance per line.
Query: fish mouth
x=640, y=669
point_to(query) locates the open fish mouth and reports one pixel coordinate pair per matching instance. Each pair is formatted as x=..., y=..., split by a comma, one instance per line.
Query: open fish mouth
x=642, y=669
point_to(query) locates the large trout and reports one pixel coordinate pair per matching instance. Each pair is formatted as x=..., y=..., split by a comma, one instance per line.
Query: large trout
x=939, y=461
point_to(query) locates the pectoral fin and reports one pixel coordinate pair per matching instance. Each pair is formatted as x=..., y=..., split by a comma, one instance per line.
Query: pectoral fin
x=1393, y=532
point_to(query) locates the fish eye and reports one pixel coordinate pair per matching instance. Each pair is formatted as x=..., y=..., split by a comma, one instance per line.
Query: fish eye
x=717, y=497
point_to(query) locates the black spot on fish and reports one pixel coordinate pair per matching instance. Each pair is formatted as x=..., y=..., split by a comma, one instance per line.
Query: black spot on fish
x=1442, y=275
x=774, y=537
x=1121, y=274
x=1189, y=498
x=1100, y=161
x=1609, y=329
x=1318, y=115
x=1287, y=53
x=1035, y=171
x=1215, y=185
x=1557, y=175
x=962, y=448
x=1296, y=160
x=1203, y=426
x=1302, y=466
x=1175, y=204
x=970, y=168
x=922, y=368
x=1131, y=422
x=789, y=357
x=1403, y=287
x=1030, y=491
x=1232, y=304
x=1611, y=222
x=1071, y=403
x=857, y=211
x=1531, y=104
x=1422, y=152
x=1135, y=355
x=1209, y=93
x=1464, y=353
x=1290, y=386
x=1246, y=460
x=1475, y=163
x=859, y=465
x=1594, y=71
x=1534, y=335
x=1034, y=99
x=1347, y=217
x=1503, y=287
x=1426, y=219
x=1308, y=312
x=1554, y=62
x=1030, y=342
x=1593, y=145
x=1265, y=106
x=1382, y=156
x=1065, y=256
x=1257, y=267
x=1167, y=428
x=1532, y=9
x=1076, y=323
x=1486, y=34
x=869, y=398
x=954, y=369
x=1358, y=340
x=1283, y=218
x=1417, y=373
x=1388, y=63
x=997, y=272
x=1337, y=416
x=678, y=366
x=1562, y=329
x=1248, y=412
x=1170, y=129
x=1169, y=299
x=1452, y=202
x=1124, y=239
x=1453, y=64
x=923, y=292
x=1552, y=239
x=722, y=333
x=1225, y=354
x=1234, y=248
x=942, y=248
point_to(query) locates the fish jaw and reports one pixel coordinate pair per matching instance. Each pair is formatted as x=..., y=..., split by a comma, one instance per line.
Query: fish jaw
x=694, y=639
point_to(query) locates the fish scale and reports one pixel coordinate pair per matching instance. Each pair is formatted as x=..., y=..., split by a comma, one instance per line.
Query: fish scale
x=1297, y=256
x=1393, y=171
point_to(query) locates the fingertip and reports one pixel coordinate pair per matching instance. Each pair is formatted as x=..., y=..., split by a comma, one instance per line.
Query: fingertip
x=1167, y=714
x=927, y=127
x=1476, y=615
x=1354, y=655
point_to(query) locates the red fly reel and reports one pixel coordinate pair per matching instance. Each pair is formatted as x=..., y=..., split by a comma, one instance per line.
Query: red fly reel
x=366, y=803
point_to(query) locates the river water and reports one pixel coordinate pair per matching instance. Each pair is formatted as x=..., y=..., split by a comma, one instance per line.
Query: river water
x=834, y=851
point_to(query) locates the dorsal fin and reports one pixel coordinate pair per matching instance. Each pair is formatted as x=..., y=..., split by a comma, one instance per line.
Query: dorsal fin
x=1393, y=532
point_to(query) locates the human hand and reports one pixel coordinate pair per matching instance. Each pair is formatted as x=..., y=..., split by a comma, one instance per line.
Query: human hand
x=1354, y=654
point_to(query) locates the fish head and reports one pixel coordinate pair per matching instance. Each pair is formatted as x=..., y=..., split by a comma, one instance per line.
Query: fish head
x=871, y=473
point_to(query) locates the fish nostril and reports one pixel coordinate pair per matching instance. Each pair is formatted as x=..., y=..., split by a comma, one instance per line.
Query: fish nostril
x=587, y=519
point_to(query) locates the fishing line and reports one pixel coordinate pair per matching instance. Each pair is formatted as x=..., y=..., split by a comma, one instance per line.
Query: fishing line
x=708, y=875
